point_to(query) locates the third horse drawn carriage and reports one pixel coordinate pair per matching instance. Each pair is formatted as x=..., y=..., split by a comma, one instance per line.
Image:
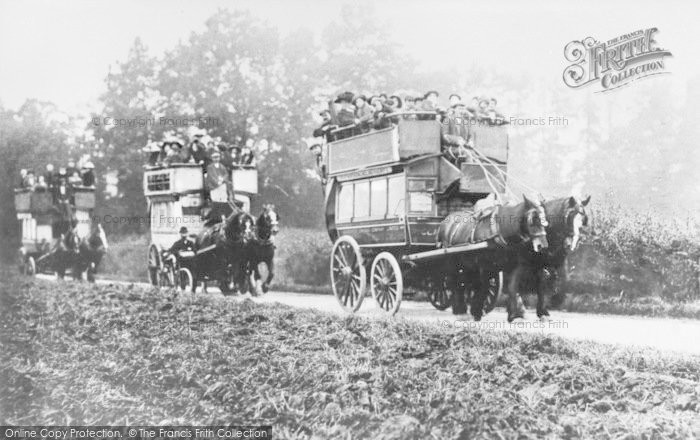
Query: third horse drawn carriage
x=58, y=231
x=406, y=215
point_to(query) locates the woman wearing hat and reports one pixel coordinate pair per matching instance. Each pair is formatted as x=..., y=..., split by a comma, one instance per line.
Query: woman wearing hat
x=364, y=113
x=346, y=111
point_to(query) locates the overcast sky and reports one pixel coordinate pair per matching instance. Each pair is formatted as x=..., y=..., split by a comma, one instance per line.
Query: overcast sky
x=61, y=51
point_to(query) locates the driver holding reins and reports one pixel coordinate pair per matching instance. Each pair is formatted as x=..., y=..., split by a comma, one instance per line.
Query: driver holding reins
x=181, y=247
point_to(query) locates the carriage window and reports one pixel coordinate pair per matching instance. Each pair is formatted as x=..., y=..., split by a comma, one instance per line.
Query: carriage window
x=345, y=202
x=378, y=198
x=397, y=196
x=361, y=200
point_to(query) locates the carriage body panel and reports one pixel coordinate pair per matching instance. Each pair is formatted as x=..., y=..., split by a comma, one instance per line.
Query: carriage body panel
x=35, y=202
x=168, y=213
x=245, y=180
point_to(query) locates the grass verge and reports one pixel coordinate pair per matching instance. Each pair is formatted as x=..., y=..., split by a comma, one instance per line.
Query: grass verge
x=78, y=353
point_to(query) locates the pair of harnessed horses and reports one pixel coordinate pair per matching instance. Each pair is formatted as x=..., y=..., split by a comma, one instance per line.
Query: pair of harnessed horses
x=531, y=239
x=230, y=251
x=81, y=255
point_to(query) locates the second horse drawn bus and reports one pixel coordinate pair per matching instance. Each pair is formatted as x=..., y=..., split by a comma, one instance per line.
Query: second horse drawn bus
x=176, y=197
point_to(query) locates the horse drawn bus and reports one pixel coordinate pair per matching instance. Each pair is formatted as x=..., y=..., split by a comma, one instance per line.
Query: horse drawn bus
x=224, y=240
x=58, y=232
x=408, y=213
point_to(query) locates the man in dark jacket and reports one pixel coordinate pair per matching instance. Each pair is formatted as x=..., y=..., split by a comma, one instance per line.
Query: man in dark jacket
x=326, y=127
x=88, y=174
x=346, y=111
x=183, y=244
x=199, y=151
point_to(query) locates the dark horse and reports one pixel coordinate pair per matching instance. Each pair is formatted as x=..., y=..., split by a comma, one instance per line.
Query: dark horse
x=566, y=217
x=514, y=229
x=90, y=252
x=222, y=250
x=64, y=252
x=263, y=249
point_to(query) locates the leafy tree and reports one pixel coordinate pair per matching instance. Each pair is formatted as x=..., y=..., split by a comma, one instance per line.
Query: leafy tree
x=130, y=96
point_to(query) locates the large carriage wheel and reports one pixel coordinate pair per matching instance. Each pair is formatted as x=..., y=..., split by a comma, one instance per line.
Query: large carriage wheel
x=386, y=282
x=495, y=287
x=439, y=294
x=184, y=279
x=348, y=275
x=154, y=265
x=30, y=266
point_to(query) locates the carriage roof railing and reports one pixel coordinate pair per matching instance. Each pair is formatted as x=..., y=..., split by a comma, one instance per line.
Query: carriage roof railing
x=188, y=178
x=345, y=128
x=194, y=165
x=434, y=114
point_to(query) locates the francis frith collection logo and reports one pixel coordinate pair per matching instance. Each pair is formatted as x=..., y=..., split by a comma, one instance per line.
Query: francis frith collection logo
x=614, y=63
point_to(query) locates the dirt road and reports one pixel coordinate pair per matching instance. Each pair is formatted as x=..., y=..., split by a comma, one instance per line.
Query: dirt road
x=665, y=334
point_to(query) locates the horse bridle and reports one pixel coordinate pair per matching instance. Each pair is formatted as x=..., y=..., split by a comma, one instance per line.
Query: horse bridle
x=266, y=223
x=571, y=214
x=529, y=223
x=238, y=238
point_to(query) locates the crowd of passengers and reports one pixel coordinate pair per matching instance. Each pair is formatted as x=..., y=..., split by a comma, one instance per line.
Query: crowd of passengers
x=351, y=115
x=200, y=150
x=361, y=114
x=61, y=183
x=217, y=159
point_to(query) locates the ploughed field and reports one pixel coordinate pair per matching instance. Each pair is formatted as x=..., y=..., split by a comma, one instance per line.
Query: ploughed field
x=85, y=354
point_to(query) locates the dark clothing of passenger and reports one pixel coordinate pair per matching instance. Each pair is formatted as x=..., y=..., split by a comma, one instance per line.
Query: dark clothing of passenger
x=346, y=115
x=199, y=154
x=183, y=244
x=324, y=131
x=88, y=178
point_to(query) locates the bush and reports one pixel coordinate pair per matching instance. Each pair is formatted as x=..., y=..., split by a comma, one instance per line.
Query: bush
x=639, y=255
x=303, y=257
x=126, y=258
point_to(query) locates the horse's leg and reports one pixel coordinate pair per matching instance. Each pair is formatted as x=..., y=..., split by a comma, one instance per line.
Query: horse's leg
x=541, y=284
x=94, y=264
x=239, y=277
x=560, y=277
x=514, y=309
x=270, y=273
x=77, y=270
x=480, y=287
x=459, y=302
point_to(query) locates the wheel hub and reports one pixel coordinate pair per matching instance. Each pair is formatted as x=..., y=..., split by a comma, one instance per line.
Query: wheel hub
x=346, y=271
